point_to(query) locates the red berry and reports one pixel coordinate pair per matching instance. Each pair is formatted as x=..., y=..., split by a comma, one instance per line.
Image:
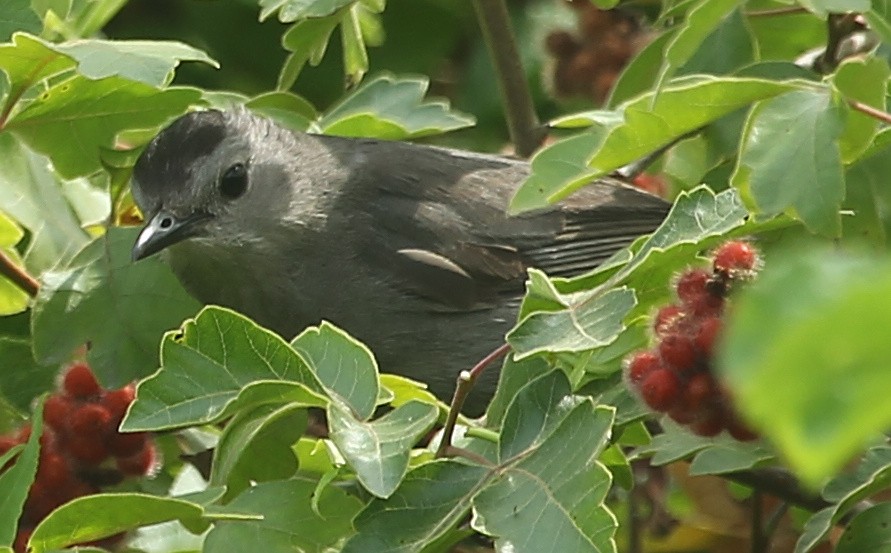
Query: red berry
x=87, y=448
x=692, y=284
x=641, y=365
x=125, y=445
x=90, y=419
x=677, y=350
x=700, y=393
x=682, y=415
x=21, y=539
x=706, y=335
x=708, y=424
x=53, y=471
x=666, y=318
x=740, y=430
x=660, y=389
x=735, y=258
x=56, y=411
x=7, y=443
x=117, y=402
x=140, y=464
x=80, y=382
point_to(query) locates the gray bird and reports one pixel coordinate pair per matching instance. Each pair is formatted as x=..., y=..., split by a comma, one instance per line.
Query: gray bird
x=407, y=247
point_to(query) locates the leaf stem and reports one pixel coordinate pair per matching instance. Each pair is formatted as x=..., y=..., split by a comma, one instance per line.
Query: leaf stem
x=781, y=484
x=526, y=132
x=789, y=10
x=18, y=275
x=883, y=116
x=466, y=380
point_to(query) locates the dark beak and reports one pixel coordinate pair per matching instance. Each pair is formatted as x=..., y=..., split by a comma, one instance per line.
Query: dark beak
x=165, y=229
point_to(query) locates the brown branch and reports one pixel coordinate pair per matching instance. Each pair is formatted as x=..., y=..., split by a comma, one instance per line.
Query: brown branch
x=526, y=131
x=18, y=275
x=780, y=484
x=883, y=116
x=840, y=26
x=466, y=380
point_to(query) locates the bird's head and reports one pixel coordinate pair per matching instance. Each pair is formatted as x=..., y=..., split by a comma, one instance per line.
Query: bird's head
x=209, y=176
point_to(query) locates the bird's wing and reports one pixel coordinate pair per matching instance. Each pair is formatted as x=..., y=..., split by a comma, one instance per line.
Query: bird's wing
x=435, y=221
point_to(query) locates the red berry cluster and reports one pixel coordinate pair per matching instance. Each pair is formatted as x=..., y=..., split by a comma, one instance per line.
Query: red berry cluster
x=79, y=436
x=589, y=60
x=676, y=377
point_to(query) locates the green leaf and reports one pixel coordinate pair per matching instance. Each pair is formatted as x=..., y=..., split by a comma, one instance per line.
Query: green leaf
x=72, y=120
x=534, y=414
x=393, y=108
x=12, y=298
x=790, y=159
x=121, y=308
x=285, y=108
x=256, y=446
x=31, y=194
x=868, y=531
x=408, y=520
x=355, y=56
x=701, y=20
x=307, y=40
x=824, y=7
x=553, y=499
x=27, y=61
x=650, y=122
x=589, y=320
x=148, y=61
x=641, y=72
x=16, y=480
x=205, y=365
x=813, y=318
x=863, y=80
x=345, y=366
x=726, y=48
x=289, y=522
x=719, y=455
x=379, y=451
x=846, y=491
x=879, y=19
x=109, y=514
x=17, y=15
x=292, y=10
x=22, y=379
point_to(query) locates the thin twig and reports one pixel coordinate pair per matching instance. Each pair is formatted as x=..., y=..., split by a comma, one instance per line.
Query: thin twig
x=466, y=381
x=18, y=275
x=757, y=524
x=840, y=26
x=883, y=116
x=526, y=131
x=773, y=523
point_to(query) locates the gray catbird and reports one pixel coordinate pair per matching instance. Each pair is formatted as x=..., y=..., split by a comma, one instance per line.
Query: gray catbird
x=407, y=247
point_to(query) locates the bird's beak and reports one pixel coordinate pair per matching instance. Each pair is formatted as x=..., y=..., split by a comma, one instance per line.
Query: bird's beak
x=165, y=229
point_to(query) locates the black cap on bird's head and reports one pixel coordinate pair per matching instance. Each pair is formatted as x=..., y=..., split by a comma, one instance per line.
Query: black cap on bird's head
x=170, y=175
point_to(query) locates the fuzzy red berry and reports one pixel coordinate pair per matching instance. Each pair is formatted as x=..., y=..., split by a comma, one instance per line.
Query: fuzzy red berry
x=681, y=414
x=692, y=284
x=700, y=392
x=740, y=430
x=641, y=365
x=666, y=318
x=677, y=350
x=21, y=539
x=90, y=419
x=709, y=424
x=80, y=382
x=735, y=257
x=117, y=402
x=53, y=471
x=140, y=464
x=707, y=334
x=125, y=445
x=57, y=411
x=88, y=449
x=7, y=443
x=661, y=389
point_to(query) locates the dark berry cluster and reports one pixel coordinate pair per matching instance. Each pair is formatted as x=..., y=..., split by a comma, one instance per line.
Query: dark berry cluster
x=589, y=61
x=675, y=377
x=81, y=449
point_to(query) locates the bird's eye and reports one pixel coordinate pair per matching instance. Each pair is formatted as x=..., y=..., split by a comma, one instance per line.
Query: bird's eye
x=234, y=181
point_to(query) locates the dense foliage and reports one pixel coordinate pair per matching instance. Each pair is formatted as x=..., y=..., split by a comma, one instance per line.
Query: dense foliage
x=762, y=120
